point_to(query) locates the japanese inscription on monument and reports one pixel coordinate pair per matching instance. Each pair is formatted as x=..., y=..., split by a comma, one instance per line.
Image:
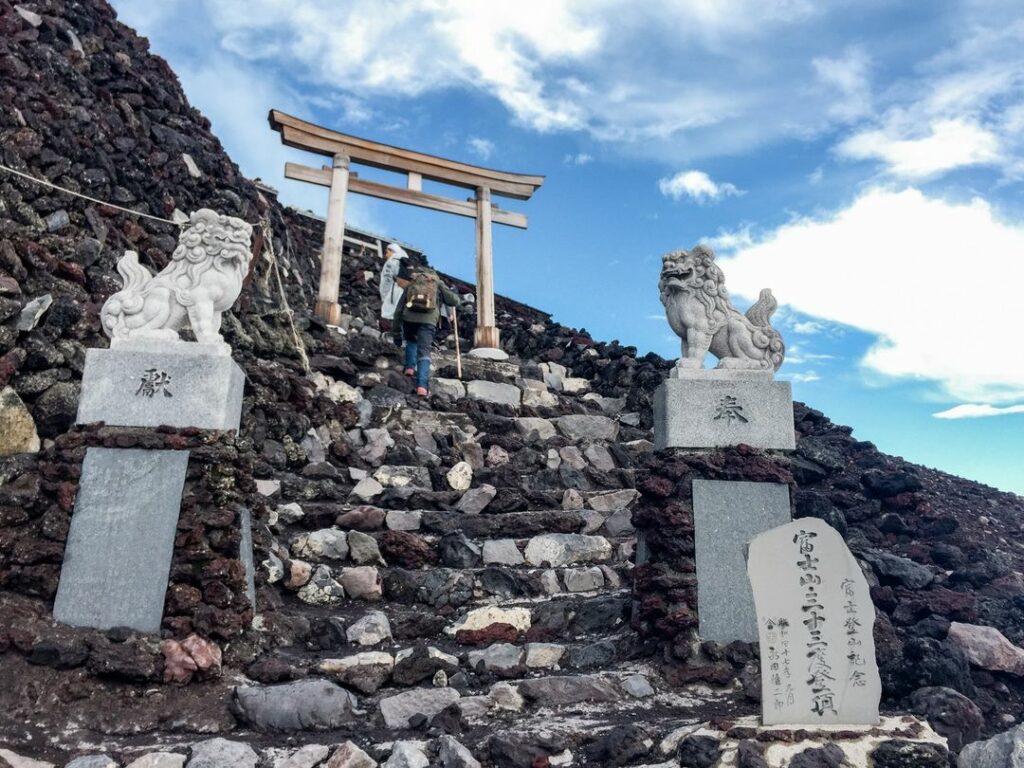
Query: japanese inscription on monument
x=779, y=663
x=815, y=620
x=729, y=408
x=154, y=381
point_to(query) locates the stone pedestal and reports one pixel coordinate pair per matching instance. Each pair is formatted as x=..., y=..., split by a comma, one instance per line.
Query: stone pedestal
x=728, y=515
x=118, y=552
x=121, y=540
x=154, y=383
x=699, y=408
x=709, y=498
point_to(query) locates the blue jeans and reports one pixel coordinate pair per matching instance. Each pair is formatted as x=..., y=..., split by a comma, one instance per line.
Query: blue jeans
x=418, y=338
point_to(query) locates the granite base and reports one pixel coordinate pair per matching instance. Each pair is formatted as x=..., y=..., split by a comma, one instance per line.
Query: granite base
x=154, y=383
x=717, y=409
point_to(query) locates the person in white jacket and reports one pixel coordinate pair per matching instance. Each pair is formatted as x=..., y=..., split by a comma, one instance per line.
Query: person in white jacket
x=390, y=290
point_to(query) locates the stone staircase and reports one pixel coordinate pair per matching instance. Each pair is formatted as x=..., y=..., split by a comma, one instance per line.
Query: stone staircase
x=472, y=574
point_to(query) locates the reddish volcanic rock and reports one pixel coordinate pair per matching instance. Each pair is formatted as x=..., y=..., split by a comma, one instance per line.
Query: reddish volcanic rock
x=494, y=633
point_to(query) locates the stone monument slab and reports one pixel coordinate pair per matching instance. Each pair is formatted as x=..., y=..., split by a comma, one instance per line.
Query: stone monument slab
x=119, y=547
x=245, y=555
x=816, y=621
x=147, y=383
x=727, y=516
x=717, y=408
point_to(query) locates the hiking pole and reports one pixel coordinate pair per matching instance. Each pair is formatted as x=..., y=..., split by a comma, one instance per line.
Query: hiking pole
x=458, y=352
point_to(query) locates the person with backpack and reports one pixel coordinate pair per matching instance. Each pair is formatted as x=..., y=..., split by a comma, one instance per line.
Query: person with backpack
x=416, y=318
x=390, y=288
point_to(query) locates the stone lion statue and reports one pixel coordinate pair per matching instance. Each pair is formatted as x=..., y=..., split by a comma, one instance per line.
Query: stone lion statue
x=203, y=280
x=698, y=309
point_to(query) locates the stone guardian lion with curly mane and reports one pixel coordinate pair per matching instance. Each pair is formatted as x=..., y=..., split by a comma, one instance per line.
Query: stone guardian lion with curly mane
x=202, y=281
x=698, y=308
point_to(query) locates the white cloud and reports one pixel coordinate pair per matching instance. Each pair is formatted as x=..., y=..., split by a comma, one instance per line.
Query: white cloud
x=848, y=77
x=795, y=353
x=809, y=327
x=949, y=144
x=672, y=80
x=696, y=185
x=915, y=271
x=801, y=378
x=580, y=158
x=975, y=411
x=410, y=48
x=730, y=241
x=958, y=107
x=726, y=74
x=482, y=148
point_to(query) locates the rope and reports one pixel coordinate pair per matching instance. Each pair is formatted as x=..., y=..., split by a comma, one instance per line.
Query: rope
x=268, y=239
x=50, y=184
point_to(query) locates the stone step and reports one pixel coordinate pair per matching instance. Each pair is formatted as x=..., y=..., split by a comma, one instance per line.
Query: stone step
x=374, y=519
x=472, y=670
x=333, y=546
x=515, y=525
x=353, y=625
x=585, y=618
x=329, y=584
x=452, y=588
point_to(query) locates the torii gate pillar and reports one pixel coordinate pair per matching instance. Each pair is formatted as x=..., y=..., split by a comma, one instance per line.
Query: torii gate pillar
x=486, y=335
x=327, y=307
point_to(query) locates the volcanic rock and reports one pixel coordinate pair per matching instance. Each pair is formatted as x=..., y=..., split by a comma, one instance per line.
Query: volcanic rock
x=301, y=706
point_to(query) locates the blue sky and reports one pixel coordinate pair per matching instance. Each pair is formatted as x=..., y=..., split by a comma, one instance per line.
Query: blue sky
x=863, y=159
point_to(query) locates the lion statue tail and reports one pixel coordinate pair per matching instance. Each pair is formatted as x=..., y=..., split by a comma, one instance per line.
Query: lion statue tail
x=759, y=315
x=130, y=299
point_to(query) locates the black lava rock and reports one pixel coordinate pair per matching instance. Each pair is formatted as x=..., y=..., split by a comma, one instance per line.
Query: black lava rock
x=698, y=752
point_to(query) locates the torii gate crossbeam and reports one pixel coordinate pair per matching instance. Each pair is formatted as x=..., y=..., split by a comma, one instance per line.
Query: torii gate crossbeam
x=345, y=150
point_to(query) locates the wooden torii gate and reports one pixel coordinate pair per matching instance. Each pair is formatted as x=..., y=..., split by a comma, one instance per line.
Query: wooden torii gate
x=346, y=149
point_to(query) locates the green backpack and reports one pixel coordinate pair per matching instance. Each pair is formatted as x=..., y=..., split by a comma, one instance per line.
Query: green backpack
x=421, y=295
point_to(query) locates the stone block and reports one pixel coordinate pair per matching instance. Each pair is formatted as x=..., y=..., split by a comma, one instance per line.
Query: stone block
x=583, y=579
x=727, y=516
x=544, y=428
x=453, y=388
x=399, y=709
x=575, y=386
x=222, y=753
x=502, y=552
x=579, y=427
x=305, y=705
x=494, y=392
x=398, y=520
x=118, y=553
x=177, y=383
x=17, y=428
x=555, y=549
x=724, y=410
